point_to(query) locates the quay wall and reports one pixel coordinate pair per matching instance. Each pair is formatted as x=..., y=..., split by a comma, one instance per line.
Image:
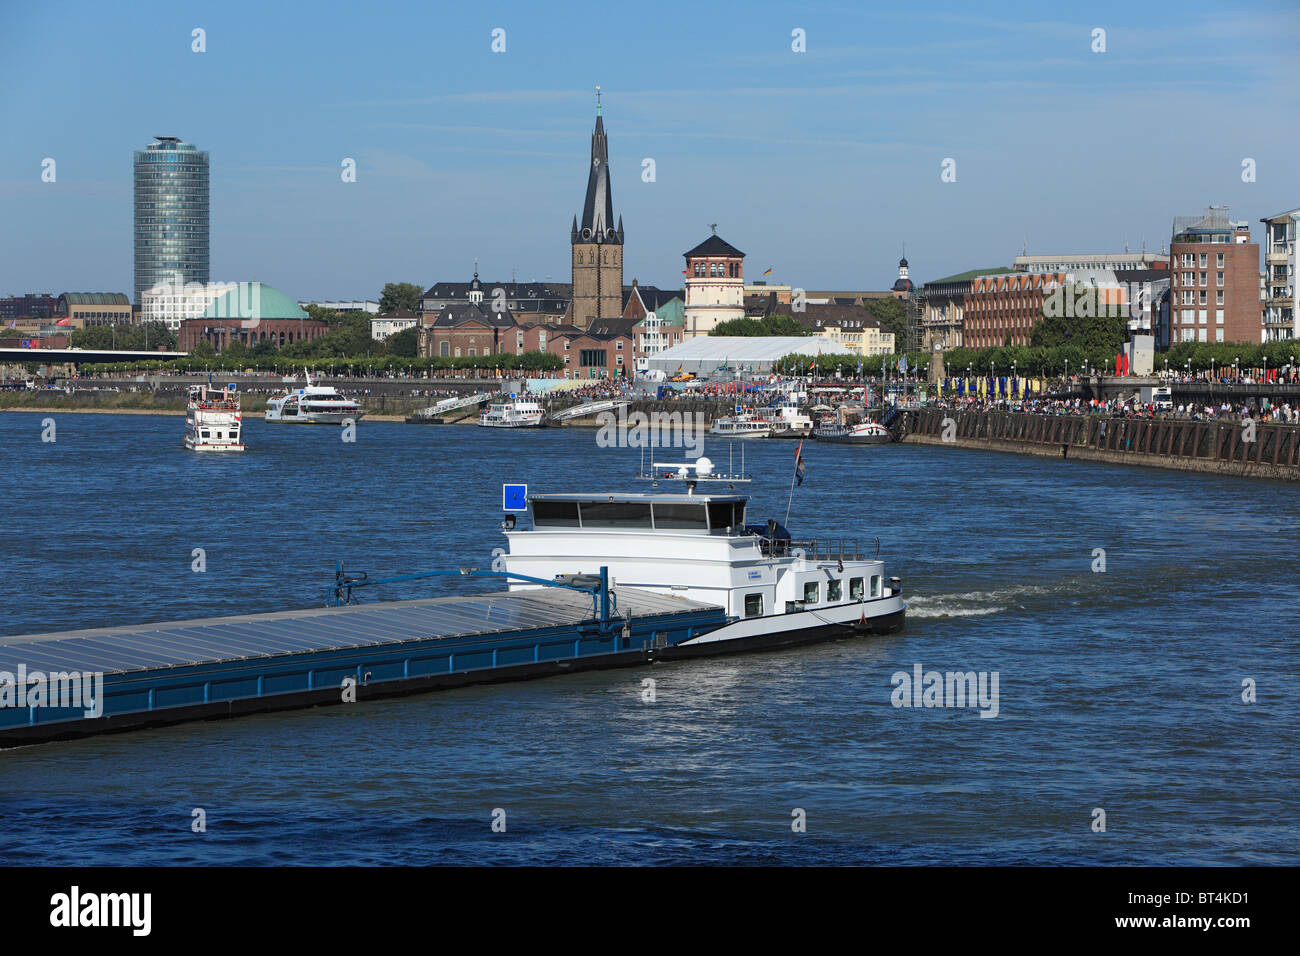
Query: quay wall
x=1214, y=447
x=684, y=409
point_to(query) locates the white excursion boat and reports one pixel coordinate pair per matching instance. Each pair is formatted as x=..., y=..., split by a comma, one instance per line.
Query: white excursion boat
x=513, y=414
x=775, y=591
x=785, y=420
x=742, y=424
x=863, y=433
x=313, y=405
x=213, y=421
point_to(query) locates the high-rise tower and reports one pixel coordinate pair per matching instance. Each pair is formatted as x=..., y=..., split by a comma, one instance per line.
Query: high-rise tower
x=171, y=214
x=597, y=244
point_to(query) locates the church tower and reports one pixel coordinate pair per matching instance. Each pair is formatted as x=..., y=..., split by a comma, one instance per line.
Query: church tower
x=597, y=244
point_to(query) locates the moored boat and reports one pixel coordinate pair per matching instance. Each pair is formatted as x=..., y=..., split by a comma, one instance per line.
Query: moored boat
x=785, y=420
x=862, y=433
x=516, y=413
x=742, y=424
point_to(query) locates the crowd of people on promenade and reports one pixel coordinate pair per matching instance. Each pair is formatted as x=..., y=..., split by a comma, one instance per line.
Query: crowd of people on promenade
x=1114, y=408
x=1228, y=375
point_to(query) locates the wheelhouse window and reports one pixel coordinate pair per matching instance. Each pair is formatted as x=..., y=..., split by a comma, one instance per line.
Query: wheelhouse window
x=555, y=514
x=615, y=514
x=875, y=585
x=753, y=605
x=680, y=515
x=726, y=514
x=855, y=589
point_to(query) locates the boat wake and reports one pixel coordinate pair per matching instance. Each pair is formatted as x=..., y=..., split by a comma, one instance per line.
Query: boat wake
x=972, y=603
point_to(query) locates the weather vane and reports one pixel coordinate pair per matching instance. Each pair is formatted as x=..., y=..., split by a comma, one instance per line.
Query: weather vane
x=714, y=227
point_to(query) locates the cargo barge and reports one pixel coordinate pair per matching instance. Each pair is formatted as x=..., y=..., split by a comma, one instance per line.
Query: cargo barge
x=159, y=674
x=595, y=581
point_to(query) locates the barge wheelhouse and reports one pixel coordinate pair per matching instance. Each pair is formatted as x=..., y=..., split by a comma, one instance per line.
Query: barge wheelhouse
x=774, y=589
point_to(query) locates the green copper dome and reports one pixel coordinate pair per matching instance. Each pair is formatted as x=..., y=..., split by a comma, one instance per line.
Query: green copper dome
x=254, y=300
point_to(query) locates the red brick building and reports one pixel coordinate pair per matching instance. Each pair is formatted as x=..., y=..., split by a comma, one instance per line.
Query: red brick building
x=1214, y=280
x=251, y=313
x=1003, y=309
x=466, y=329
x=604, y=351
x=220, y=333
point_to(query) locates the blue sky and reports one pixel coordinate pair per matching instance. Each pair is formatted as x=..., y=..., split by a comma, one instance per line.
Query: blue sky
x=819, y=164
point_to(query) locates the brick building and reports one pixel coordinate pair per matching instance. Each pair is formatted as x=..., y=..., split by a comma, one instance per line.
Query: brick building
x=251, y=314
x=526, y=301
x=33, y=305
x=466, y=330
x=1003, y=308
x=1214, y=291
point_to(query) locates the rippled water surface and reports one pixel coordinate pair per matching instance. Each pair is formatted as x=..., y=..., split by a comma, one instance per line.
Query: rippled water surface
x=1119, y=690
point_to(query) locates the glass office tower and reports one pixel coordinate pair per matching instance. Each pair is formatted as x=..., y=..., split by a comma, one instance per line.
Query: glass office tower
x=171, y=214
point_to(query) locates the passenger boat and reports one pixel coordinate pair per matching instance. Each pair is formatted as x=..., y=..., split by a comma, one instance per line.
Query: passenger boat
x=213, y=421
x=785, y=420
x=741, y=425
x=863, y=433
x=774, y=590
x=513, y=414
x=313, y=405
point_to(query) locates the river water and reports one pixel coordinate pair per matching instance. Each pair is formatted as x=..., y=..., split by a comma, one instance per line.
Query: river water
x=1118, y=690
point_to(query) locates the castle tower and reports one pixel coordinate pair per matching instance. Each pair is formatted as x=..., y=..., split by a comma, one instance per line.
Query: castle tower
x=715, y=285
x=597, y=244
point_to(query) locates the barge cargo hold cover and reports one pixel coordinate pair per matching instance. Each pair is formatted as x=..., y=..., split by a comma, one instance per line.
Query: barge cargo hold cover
x=157, y=674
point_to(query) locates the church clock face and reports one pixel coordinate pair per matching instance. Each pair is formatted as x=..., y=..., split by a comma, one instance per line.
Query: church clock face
x=595, y=162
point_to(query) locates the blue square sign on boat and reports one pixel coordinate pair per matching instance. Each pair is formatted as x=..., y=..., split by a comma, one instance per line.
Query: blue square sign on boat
x=514, y=497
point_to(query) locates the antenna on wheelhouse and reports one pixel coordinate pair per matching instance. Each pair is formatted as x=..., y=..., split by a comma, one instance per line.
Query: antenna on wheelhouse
x=690, y=472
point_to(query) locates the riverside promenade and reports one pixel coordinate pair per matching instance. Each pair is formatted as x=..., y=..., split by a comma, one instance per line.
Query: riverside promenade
x=1223, y=446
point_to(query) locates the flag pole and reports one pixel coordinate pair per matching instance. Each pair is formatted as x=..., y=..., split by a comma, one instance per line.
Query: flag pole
x=793, y=475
